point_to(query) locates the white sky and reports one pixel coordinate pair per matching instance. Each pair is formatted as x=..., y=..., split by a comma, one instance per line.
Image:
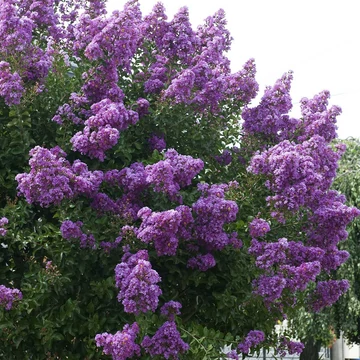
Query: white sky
x=317, y=39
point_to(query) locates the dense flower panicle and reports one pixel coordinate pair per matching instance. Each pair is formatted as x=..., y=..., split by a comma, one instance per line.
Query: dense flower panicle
x=72, y=230
x=166, y=342
x=157, y=75
x=8, y=296
x=170, y=309
x=287, y=265
x=327, y=225
x=202, y=262
x=52, y=178
x=242, y=86
x=258, y=228
x=232, y=355
x=317, y=119
x=3, y=221
x=120, y=346
x=157, y=142
x=252, y=339
x=116, y=37
x=137, y=281
x=173, y=173
x=102, y=130
x=327, y=293
x=11, y=85
x=212, y=212
x=270, y=116
x=288, y=346
x=298, y=171
x=225, y=158
x=164, y=229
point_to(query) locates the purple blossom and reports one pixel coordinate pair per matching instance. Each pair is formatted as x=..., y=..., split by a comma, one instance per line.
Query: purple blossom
x=3, y=221
x=137, y=283
x=327, y=293
x=11, y=85
x=170, y=309
x=8, y=296
x=173, y=173
x=202, y=262
x=252, y=339
x=166, y=342
x=157, y=143
x=258, y=228
x=70, y=230
x=212, y=212
x=52, y=178
x=120, y=346
x=225, y=158
x=163, y=229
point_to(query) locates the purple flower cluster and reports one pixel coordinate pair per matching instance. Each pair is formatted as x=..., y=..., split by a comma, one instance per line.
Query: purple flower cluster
x=8, y=296
x=212, y=212
x=202, y=262
x=258, y=228
x=52, y=178
x=252, y=339
x=170, y=309
x=287, y=264
x=205, y=80
x=157, y=142
x=122, y=345
x=317, y=119
x=102, y=130
x=225, y=158
x=11, y=85
x=163, y=229
x=288, y=346
x=327, y=293
x=173, y=173
x=137, y=281
x=72, y=230
x=20, y=49
x=270, y=116
x=3, y=221
x=298, y=172
x=166, y=342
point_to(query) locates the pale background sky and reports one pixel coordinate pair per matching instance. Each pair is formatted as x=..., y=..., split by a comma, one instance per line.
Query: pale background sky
x=317, y=39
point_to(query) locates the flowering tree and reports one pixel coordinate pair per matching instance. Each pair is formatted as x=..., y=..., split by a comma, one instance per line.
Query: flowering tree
x=164, y=216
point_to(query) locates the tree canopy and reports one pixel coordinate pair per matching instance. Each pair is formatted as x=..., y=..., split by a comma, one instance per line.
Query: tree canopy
x=148, y=210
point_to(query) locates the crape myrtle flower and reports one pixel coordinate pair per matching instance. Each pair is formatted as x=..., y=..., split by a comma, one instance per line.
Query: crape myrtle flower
x=164, y=229
x=3, y=221
x=173, y=173
x=252, y=339
x=170, y=309
x=225, y=158
x=137, y=282
x=317, y=119
x=166, y=342
x=202, y=262
x=327, y=293
x=270, y=116
x=72, y=230
x=212, y=211
x=157, y=142
x=299, y=173
x=52, y=178
x=258, y=228
x=288, y=346
x=122, y=344
x=8, y=296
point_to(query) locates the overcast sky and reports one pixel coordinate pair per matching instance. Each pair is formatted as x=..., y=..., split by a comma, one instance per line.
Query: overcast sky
x=317, y=39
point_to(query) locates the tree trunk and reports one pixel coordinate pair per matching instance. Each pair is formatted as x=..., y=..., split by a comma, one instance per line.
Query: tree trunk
x=311, y=350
